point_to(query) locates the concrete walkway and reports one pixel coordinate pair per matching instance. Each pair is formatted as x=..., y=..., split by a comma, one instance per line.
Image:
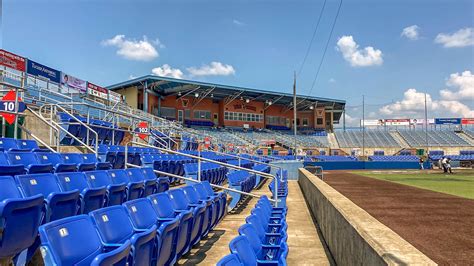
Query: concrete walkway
x=303, y=240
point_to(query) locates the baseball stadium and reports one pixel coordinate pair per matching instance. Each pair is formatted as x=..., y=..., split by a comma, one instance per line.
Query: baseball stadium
x=161, y=169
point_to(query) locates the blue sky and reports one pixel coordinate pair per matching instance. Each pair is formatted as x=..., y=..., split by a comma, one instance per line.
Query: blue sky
x=260, y=43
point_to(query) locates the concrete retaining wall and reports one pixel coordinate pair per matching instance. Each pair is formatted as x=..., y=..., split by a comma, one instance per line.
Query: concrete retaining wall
x=352, y=235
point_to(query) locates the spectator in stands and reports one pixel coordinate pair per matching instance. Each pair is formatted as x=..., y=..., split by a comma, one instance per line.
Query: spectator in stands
x=421, y=163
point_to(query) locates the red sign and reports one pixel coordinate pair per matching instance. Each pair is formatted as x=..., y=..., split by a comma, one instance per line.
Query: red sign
x=97, y=91
x=467, y=121
x=207, y=142
x=10, y=97
x=12, y=61
x=143, y=130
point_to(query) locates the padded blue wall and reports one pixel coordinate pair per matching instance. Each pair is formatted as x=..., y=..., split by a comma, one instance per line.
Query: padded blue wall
x=356, y=165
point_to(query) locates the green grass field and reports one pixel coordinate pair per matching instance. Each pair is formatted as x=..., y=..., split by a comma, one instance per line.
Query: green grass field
x=461, y=183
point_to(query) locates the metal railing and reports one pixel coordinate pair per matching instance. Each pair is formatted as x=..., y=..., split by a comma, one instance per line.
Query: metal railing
x=200, y=159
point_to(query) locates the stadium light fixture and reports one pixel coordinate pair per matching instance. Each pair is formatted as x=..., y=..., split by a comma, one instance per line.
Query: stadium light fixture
x=269, y=102
x=311, y=107
x=247, y=100
x=179, y=93
x=196, y=95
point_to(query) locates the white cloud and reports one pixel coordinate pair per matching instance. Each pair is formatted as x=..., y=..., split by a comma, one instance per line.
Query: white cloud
x=213, y=69
x=367, y=56
x=464, y=82
x=413, y=103
x=332, y=80
x=238, y=22
x=461, y=38
x=351, y=121
x=167, y=71
x=139, y=50
x=411, y=32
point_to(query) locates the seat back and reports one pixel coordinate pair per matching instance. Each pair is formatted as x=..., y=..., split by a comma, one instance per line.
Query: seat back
x=178, y=198
x=24, y=158
x=89, y=158
x=118, y=176
x=3, y=159
x=241, y=247
x=35, y=184
x=249, y=231
x=70, y=241
x=135, y=174
x=201, y=191
x=162, y=204
x=72, y=180
x=27, y=144
x=8, y=143
x=229, y=260
x=113, y=224
x=191, y=194
x=72, y=158
x=98, y=178
x=49, y=157
x=141, y=213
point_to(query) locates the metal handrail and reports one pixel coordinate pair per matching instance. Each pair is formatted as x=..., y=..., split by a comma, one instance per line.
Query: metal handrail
x=263, y=174
x=197, y=181
x=167, y=137
x=36, y=138
x=50, y=124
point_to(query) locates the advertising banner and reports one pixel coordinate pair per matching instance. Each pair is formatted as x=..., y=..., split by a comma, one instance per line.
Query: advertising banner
x=115, y=97
x=447, y=121
x=397, y=122
x=467, y=121
x=39, y=70
x=97, y=91
x=421, y=121
x=368, y=123
x=12, y=61
x=73, y=82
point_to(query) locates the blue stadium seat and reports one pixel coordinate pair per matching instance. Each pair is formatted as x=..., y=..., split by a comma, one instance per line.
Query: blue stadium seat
x=242, y=247
x=134, y=189
x=180, y=202
x=28, y=159
x=9, y=144
x=99, y=165
x=116, y=193
x=203, y=196
x=76, y=158
x=194, y=200
x=58, y=204
x=75, y=241
x=138, y=175
x=274, y=233
x=278, y=251
x=91, y=198
x=144, y=217
x=7, y=169
x=115, y=228
x=20, y=218
x=163, y=182
x=163, y=206
x=30, y=145
x=221, y=196
x=56, y=160
x=230, y=260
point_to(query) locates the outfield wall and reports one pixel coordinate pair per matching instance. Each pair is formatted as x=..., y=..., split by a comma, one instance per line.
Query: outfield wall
x=351, y=234
x=360, y=165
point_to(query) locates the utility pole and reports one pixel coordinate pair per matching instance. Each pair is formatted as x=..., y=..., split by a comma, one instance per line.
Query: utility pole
x=363, y=125
x=294, y=108
x=426, y=126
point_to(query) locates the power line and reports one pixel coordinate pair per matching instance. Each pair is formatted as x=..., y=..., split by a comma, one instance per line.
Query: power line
x=312, y=38
x=326, y=47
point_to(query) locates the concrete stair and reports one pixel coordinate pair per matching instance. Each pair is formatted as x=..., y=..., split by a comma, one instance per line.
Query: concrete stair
x=399, y=139
x=333, y=144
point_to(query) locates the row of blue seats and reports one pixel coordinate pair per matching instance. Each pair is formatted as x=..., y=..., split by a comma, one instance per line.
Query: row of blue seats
x=156, y=230
x=106, y=131
x=262, y=240
x=282, y=189
x=212, y=172
x=189, y=143
x=396, y=158
x=26, y=201
x=10, y=144
x=242, y=163
x=453, y=157
x=261, y=168
x=20, y=162
x=169, y=163
x=241, y=180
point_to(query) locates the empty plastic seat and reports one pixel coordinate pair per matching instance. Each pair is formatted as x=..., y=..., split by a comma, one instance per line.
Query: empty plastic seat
x=221, y=196
x=144, y=217
x=58, y=204
x=76, y=158
x=91, y=158
x=242, y=247
x=230, y=260
x=56, y=160
x=163, y=182
x=30, y=145
x=75, y=241
x=134, y=189
x=137, y=175
x=277, y=251
x=194, y=200
x=116, y=193
x=163, y=206
x=20, y=218
x=7, y=169
x=91, y=198
x=115, y=228
x=180, y=202
x=202, y=193
x=9, y=144
x=29, y=161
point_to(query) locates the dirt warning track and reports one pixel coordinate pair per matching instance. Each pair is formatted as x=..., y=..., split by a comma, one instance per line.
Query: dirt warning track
x=439, y=225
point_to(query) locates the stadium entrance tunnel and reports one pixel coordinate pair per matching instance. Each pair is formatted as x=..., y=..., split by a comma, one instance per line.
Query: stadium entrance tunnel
x=351, y=234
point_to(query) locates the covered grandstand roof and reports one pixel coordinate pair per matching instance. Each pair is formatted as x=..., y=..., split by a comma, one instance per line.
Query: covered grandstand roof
x=169, y=86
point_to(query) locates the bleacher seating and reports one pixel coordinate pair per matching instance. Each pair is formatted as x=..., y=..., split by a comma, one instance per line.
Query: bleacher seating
x=240, y=180
x=211, y=172
x=372, y=138
x=397, y=158
x=436, y=138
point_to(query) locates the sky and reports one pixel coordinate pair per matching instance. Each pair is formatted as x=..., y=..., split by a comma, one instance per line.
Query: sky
x=391, y=51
